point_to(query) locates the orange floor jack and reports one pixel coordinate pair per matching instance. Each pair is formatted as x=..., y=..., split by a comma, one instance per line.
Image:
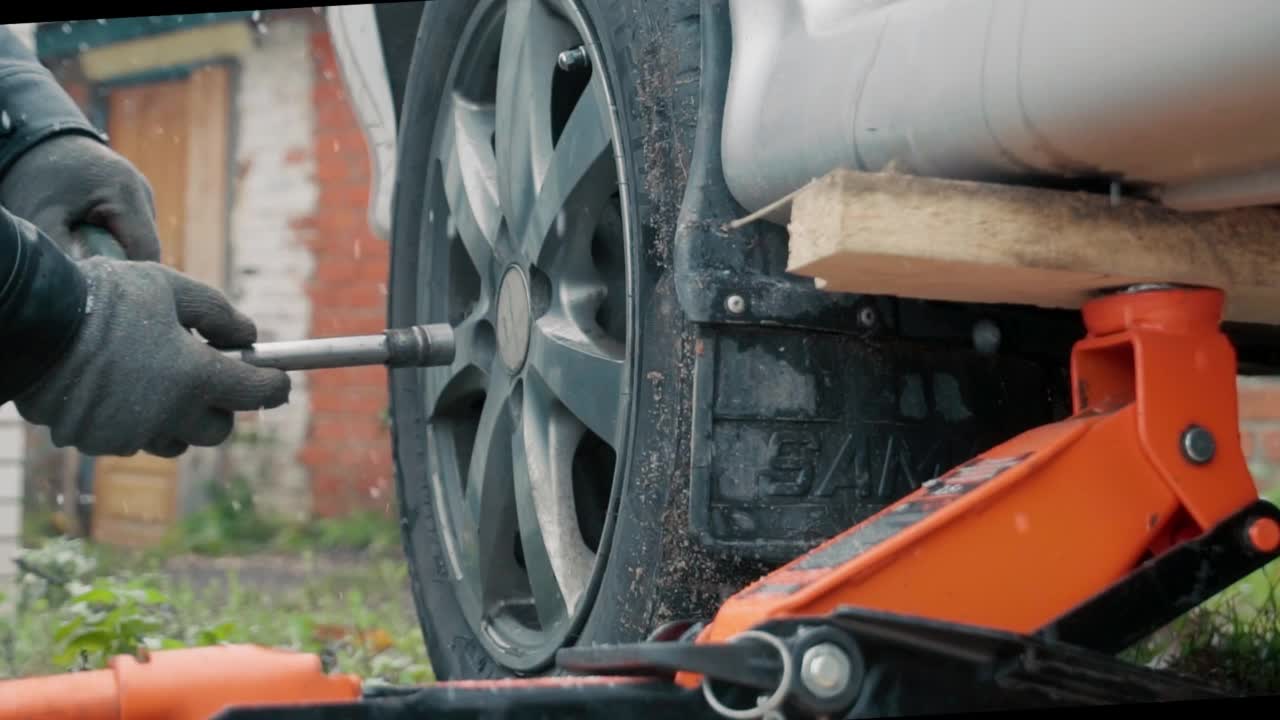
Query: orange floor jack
x=1011, y=581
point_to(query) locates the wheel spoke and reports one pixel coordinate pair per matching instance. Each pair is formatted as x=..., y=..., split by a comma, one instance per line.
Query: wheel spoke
x=532, y=38
x=488, y=497
x=557, y=560
x=579, y=178
x=585, y=374
x=473, y=351
x=470, y=179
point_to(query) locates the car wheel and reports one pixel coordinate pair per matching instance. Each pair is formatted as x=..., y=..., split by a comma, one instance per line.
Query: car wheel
x=539, y=475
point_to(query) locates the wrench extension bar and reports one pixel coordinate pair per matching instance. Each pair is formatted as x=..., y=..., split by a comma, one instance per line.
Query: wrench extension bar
x=414, y=346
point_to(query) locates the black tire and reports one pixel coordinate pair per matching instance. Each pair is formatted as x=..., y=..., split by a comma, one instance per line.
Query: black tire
x=654, y=573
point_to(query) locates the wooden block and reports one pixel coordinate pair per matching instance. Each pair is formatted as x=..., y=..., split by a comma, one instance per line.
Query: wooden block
x=890, y=234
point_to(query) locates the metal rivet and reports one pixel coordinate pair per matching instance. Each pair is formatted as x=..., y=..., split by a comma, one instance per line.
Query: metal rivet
x=986, y=337
x=1198, y=445
x=735, y=304
x=825, y=670
x=573, y=59
x=867, y=316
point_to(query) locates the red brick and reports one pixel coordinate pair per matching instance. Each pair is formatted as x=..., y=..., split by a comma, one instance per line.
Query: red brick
x=340, y=230
x=341, y=429
x=347, y=378
x=330, y=168
x=329, y=272
x=327, y=94
x=356, y=295
x=344, y=244
x=328, y=504
x=321, y=45
x=348, y=447
x=362, y=401
x=332, y=114
x=1260, y=403
x=1247, y=443
x=355, y=195
x=372, y=454
x=1271, y=445
x=348, y=323
x=326, y=482
x=344, y=131
x=340, y=314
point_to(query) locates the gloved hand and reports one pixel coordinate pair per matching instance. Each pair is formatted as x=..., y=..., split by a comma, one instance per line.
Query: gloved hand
x=135, y=378
x=72, y=180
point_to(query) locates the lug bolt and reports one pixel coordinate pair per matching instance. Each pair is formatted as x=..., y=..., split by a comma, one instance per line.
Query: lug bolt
x=573, y=59
x=1197, y=445
x=825, y=670
x=735, y=304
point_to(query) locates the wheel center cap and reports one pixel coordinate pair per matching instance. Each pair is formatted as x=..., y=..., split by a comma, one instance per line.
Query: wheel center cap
x=514, y=319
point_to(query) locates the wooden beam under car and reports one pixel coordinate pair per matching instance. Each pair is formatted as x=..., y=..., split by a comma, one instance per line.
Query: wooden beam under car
x=909, y=236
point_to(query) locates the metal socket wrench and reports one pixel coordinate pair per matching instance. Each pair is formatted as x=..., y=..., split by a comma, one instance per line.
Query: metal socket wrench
x=416, y=346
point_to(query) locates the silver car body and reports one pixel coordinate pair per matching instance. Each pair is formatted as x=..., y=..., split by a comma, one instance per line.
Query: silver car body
x=364, y=73
x=1176, y=99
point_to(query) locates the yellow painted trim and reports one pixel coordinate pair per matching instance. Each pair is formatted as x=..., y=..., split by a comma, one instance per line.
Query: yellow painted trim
x=186, y=47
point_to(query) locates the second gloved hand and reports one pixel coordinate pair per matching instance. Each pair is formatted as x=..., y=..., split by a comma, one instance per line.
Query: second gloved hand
x=71, y=180
x=136, y=378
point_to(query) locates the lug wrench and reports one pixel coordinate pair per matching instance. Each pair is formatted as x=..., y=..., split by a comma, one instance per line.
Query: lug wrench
x=414, y=346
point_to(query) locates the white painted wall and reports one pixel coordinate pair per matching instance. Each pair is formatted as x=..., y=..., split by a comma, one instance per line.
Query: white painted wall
x=12, y=450
x=26, y=32
x=270, y=262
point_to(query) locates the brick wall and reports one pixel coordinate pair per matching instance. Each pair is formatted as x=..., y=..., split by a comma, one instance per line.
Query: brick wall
x=270, y=258
x=347, y=451
x=1260, y=429
x=302, y=262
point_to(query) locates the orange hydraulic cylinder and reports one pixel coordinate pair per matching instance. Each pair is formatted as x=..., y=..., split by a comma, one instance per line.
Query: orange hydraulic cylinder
x=186, y=684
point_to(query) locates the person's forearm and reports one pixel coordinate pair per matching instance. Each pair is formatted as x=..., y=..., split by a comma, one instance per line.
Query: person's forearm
x=35, y=106
x=42, y=303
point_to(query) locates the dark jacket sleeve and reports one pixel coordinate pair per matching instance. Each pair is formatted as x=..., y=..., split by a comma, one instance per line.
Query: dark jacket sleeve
x=42, y=293
x=33, y=106
x=42, y=302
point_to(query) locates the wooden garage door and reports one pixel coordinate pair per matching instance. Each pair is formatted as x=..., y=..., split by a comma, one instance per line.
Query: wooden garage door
x=175, y=132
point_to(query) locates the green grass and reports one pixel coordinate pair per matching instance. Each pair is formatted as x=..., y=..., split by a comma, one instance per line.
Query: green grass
x=1231, y=640
x=231, y=524
x=356, y=616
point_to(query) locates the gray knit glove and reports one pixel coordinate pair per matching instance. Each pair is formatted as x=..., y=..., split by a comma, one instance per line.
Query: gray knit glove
x=71, y=180
x=135, y=378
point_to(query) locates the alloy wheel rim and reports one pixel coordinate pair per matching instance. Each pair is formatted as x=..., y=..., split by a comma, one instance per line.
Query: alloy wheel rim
x=526, y=427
